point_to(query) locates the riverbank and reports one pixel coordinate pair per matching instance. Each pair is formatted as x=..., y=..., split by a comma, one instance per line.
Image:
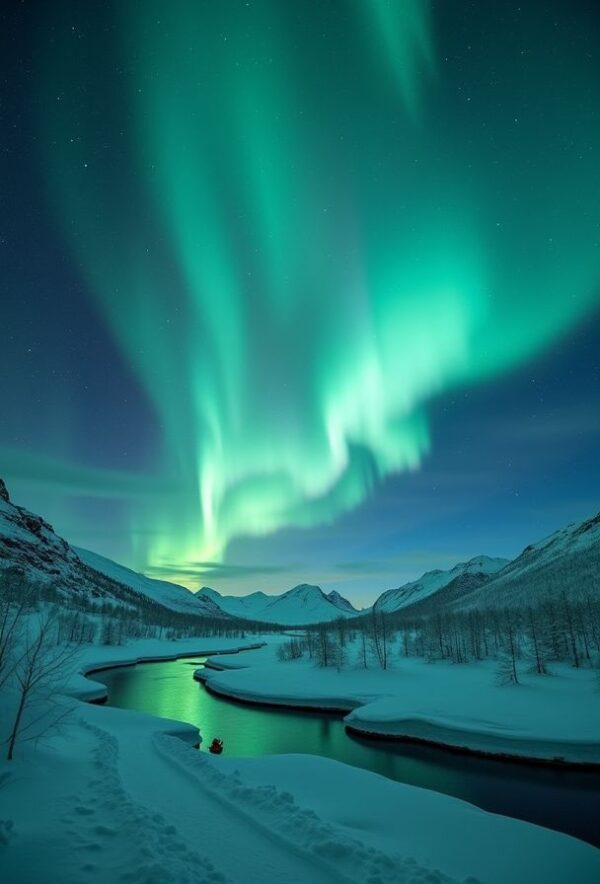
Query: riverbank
x=113, y=797
x=553, y=719
x=95, y=658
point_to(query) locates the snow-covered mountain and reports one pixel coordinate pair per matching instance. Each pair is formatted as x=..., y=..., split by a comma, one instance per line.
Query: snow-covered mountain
x=31, y=546
x=28, y=542
x=170, y=595
x=245, y=606
x=474, y=572
x=567, y=561
x=299, y=606
x=340, y=602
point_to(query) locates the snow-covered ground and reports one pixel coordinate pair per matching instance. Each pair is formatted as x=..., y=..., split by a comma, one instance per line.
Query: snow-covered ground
x=115, y=796
x=545, y=717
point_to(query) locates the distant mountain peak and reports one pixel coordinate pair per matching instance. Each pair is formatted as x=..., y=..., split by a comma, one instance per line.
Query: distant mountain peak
x=4, y=495
x=566, y=561
x=208, y=591
x=340, y=602
x=429, y=584
x=302, y=605
x=305, y=589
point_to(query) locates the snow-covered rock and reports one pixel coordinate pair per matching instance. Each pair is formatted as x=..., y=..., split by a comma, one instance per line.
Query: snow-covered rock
x=340, y=602
x=29, y=543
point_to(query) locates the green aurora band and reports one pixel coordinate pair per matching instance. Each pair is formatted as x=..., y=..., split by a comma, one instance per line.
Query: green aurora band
x=306, y=235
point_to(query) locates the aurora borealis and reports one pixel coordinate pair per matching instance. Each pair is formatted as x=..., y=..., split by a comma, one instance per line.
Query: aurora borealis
x=302, y=229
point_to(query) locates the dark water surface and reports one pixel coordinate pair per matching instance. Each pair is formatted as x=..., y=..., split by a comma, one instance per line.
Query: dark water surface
x=558, y=799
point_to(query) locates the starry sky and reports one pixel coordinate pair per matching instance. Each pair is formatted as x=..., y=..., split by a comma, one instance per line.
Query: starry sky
x=300, y=292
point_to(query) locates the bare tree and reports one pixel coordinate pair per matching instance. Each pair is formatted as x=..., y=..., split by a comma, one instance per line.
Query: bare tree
x=506, y=672
x=16, y=599
x=380, y=636
x=42, y=667
x=567, y=612
x=536, y=645
x=363, y=646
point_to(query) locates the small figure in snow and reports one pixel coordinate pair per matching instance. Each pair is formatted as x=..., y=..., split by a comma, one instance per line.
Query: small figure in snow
x=216, y=747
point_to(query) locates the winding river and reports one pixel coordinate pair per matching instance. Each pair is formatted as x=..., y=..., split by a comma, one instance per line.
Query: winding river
x=568, y=801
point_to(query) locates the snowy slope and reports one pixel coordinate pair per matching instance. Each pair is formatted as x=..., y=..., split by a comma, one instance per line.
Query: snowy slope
x=340, y=602
x=567, y=561
x=29, y=542
x=303, y=604
x=29, y=545
x=170, y=595
x=299, y=606
x=247, y=606
x=478, y=569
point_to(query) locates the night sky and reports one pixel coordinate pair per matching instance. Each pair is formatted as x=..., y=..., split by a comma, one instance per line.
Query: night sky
x=300, y=292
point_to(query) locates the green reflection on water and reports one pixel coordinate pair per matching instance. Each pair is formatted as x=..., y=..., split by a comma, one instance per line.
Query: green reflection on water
x=169, y=691
x=568, y=801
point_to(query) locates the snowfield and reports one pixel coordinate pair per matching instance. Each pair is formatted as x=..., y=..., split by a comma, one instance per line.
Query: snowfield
x=118, y=796
x=462, y=706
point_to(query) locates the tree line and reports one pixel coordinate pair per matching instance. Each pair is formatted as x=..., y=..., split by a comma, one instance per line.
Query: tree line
x=529, y=637
x=42, y=629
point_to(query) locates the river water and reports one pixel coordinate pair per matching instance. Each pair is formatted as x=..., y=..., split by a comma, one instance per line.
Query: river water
x=568, y=801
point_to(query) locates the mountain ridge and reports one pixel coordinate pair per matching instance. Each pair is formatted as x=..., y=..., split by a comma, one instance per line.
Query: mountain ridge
x=29, y=545
x=431, y=582
x=566, y=561
x=299, y=606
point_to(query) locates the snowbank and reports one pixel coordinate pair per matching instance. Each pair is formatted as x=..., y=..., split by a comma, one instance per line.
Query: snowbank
x=97, y=657
x=365, y=820
x=113, y=797
x=546, y=718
